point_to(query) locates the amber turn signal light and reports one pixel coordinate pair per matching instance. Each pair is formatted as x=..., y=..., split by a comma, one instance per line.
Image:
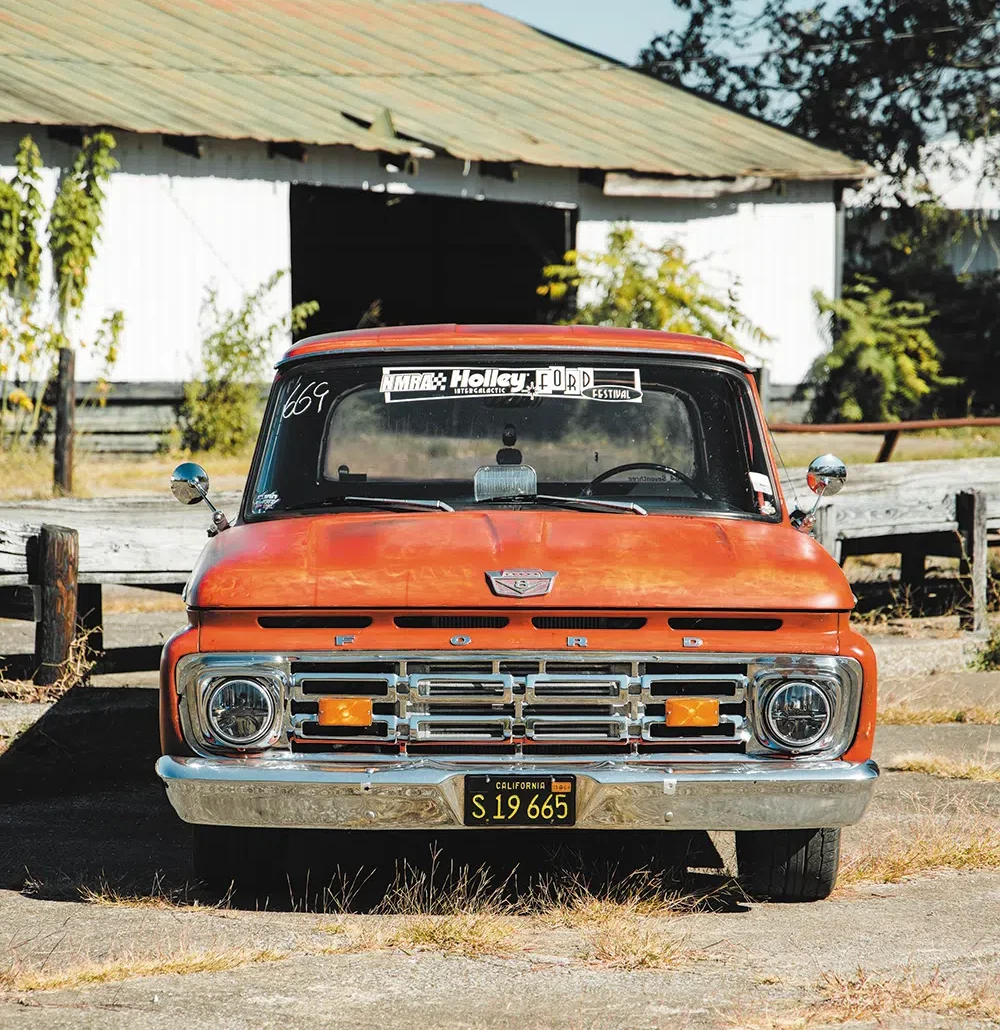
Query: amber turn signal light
x=345, y=711
x=692, y=711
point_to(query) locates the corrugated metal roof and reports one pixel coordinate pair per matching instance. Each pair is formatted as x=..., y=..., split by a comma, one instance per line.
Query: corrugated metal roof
x=458, y=77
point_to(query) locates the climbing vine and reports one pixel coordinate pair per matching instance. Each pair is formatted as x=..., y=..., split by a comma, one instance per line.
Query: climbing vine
x=75, y=220
x=35, y=324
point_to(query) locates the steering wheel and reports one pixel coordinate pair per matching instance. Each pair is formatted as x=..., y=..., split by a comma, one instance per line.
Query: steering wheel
x=655, y=466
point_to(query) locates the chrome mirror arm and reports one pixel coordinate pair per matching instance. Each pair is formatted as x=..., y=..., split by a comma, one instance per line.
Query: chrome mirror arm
x=219, y=520
x=805, y=521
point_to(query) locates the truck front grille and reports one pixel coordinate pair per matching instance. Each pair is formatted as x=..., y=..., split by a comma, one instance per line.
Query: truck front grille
x=515, y=704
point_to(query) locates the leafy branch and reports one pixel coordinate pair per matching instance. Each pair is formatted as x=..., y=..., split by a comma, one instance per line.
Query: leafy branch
x=883, y=365
x=638, y=286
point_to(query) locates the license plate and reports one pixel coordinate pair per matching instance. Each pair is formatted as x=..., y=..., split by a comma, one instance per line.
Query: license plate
x=520, y=800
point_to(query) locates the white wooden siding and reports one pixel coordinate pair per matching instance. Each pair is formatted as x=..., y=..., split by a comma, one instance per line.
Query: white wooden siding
x=175, y=225
x=774, y=250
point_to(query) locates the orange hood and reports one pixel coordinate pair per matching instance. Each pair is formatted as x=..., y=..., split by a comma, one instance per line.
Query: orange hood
x=439, y=560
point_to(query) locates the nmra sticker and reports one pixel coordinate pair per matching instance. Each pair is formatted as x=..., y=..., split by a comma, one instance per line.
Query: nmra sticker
x=621, y=385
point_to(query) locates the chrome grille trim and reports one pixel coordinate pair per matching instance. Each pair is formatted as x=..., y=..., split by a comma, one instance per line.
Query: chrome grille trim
x=565, y=688
x=460, y=688
x=604, y=696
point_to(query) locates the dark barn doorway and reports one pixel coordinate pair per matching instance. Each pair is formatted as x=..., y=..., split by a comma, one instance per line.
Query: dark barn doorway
x=424, y=258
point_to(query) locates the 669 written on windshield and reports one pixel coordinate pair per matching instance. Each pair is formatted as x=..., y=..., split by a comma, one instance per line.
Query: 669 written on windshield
x=500, y=800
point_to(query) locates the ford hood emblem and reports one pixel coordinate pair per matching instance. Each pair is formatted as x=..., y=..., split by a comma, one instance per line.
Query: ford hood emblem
x=520, y=582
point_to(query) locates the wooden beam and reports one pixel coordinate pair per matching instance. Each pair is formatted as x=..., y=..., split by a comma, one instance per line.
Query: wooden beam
x=913, y=563
x=288, y=148
x=191, y=146
x=20, y=602
x=629, y=184
x=71, y=135
x=888, y=445
x=58, y=561
x=592, y=177
x=506, y=171
x=90, y=616
x=882, y=427
x=970, y=511
x=62, y=472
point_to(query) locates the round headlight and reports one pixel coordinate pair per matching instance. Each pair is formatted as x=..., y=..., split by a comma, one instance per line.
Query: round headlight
x=240, y=712
x=797, y=713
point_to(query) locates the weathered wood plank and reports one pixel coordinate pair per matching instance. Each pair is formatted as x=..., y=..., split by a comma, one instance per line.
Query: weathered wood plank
x=58, y=554
x=970, y=510
x=138, y=537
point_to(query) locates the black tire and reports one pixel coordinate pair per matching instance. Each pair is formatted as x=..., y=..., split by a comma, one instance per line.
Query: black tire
x=788, y=865
x=238, y=857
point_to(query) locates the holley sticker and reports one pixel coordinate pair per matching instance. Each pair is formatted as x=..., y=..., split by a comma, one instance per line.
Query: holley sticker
x=621, y=385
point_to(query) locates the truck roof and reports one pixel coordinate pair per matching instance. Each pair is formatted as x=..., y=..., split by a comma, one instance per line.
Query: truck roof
x=490, y=337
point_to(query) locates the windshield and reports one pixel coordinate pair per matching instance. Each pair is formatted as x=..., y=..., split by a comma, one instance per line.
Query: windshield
x=512, y=428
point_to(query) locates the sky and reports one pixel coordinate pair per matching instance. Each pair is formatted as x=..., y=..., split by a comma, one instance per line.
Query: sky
x=619, y=28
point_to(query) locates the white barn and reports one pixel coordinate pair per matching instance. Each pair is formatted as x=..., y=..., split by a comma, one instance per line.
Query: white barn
x=430, y=155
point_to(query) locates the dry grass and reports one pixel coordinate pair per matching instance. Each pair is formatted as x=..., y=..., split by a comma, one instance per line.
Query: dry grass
x=121, y=600
x=24, y=979
x=632, y=943
x=159, y=896
x=904, y=714
x=73, y=671
x=458, y=912
x=865, y=995
x=618, y=939
x=798, y=449
x=27, y=473
x=946, y=768
x=470, y=934
x=955, y=836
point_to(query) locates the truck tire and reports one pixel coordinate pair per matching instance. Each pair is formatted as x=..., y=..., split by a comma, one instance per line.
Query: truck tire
x=788, y=865
x=238, y=857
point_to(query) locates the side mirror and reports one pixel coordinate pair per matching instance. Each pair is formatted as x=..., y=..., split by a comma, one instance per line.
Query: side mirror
x=826, y=476
x=189, y=484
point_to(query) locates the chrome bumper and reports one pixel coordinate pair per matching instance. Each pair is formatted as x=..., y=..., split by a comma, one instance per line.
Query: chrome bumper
x=414, y=794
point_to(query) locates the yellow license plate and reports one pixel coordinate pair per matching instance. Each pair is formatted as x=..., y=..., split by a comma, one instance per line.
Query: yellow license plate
x=498, y=800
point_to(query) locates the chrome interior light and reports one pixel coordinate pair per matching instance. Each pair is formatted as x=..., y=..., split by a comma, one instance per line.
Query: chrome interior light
x=240, y=711
x=798, y=713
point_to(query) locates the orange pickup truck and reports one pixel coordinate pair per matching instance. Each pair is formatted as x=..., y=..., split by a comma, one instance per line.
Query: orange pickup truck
x=522, y=577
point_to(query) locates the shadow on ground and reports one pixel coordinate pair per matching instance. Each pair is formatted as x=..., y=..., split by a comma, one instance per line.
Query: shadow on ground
x=81, y=809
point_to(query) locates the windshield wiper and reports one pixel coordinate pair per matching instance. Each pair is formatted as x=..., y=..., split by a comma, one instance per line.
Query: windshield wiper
x=581, y=503
x=395, y=503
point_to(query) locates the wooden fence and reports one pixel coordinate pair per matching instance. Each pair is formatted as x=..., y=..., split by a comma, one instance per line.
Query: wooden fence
x=914, y=509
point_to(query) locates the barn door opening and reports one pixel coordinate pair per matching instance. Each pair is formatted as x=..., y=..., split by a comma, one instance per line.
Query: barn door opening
x=421, y=258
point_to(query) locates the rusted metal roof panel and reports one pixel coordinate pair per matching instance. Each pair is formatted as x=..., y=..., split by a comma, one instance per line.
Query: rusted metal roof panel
x=457, y=77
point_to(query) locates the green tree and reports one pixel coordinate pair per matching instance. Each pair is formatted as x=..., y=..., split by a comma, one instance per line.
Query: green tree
x=908, y=249
x=876, y=79
x=883, y=365
x=219, y=410
x=634, y=285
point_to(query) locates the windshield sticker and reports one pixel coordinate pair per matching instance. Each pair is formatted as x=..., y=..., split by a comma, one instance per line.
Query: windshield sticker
x=305, y=398
x=761, y=483
x=619, y=385
x=264, y=502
